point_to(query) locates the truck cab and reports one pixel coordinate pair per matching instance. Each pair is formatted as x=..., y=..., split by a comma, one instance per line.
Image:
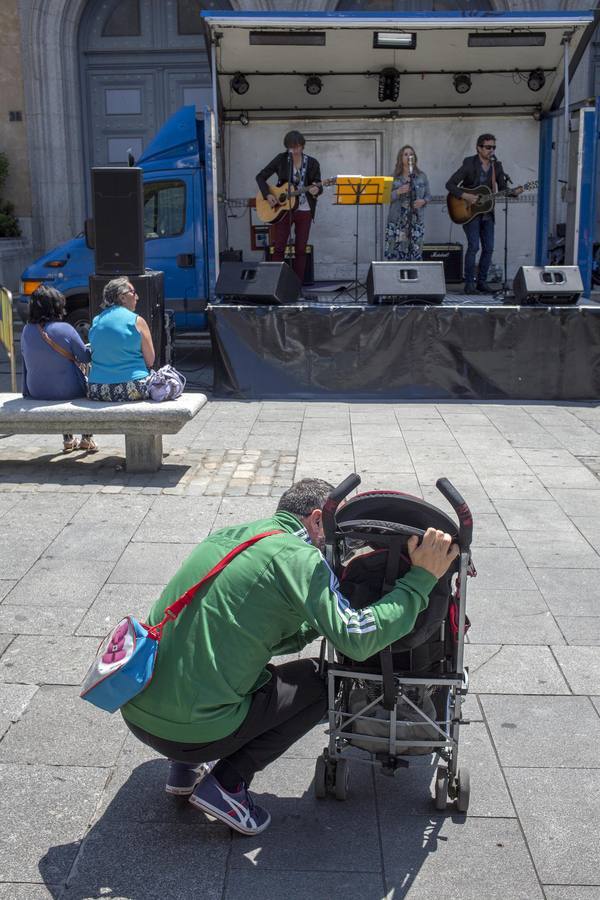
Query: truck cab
x=175, y=229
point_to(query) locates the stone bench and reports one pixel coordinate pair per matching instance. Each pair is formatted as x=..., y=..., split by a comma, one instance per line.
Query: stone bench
x=142, y=423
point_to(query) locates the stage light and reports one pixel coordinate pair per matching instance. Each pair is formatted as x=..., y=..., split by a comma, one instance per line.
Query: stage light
x=536, y=80
x=239, y=83
x=405, y=40
x=389, y=85
x=462, y=83
x=244, y=118
x=313, y=85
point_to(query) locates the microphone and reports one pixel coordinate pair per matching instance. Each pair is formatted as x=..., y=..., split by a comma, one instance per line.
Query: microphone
x=493, y=157
x=411, y=161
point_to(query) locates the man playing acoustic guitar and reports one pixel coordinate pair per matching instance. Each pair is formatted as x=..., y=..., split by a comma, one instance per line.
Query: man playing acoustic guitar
x=299, y=171
x=481, y=169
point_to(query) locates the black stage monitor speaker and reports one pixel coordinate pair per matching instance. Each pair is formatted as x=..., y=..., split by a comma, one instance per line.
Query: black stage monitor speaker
x=451, y=255
x=406, y=282
x=269, y=283
x=547, y=285
x=150, y=306
x=118, y=210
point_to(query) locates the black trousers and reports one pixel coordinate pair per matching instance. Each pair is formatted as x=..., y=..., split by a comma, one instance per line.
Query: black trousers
x=281, y=712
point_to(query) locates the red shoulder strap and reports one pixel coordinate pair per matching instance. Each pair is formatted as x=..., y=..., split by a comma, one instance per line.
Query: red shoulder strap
x=172, y=611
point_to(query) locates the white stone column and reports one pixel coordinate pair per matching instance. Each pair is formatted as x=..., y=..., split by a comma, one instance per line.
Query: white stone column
x=53, y=116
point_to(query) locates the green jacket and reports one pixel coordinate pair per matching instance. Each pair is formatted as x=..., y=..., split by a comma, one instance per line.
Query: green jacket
x=274, y=598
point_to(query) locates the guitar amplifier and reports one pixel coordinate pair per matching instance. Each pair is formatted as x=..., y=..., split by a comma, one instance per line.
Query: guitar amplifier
x=451, y=255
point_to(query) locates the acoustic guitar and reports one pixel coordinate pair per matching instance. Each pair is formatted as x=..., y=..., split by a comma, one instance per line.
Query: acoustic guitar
x=461, y=212
x=285, y=201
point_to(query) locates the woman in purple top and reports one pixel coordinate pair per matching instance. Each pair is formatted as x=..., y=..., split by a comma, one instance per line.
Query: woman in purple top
x=51, y=350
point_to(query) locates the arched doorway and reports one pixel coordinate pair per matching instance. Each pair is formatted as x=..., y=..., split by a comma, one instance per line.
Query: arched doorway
x=140, y=61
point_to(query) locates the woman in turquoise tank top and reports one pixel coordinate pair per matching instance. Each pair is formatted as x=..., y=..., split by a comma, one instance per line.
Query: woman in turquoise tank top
x=121, y=344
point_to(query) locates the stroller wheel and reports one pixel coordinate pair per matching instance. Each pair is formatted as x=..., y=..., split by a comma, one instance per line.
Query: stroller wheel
x=342, y=779
x=441, y=788
x=463, y=790
x=320, y=778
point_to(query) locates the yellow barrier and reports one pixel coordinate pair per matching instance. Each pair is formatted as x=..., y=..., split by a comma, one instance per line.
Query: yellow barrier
x=6, y=333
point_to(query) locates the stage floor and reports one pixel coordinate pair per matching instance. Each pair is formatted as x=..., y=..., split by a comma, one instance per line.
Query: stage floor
x=343, y=292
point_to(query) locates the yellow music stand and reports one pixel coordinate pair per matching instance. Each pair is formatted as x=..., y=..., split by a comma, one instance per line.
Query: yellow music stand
x=361, y=190
x=366, y=190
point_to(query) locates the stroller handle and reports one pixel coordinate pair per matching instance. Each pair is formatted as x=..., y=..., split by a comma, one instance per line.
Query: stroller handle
x=456, y=501
x=333, y=501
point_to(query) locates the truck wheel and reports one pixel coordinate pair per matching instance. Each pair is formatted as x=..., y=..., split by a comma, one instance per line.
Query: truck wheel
x=80, y=320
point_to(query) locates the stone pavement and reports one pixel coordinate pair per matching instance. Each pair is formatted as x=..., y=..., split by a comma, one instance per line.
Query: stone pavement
x=82, y=808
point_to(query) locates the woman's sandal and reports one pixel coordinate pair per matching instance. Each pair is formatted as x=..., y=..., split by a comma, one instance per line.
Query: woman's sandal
x=88, y=444
x=68, y=446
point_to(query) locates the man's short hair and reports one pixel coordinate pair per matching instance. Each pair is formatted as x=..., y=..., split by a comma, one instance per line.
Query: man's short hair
x=485, y=137
x=304, y=496
x=114, y=291
x=293, y=139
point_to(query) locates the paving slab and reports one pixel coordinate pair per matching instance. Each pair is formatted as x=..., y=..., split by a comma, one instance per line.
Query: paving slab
x=571, y=892
x=490, y=531
x=6, y=586
x=117, y=861
x=500, y=568
x=510, y=617
x=577, y=501
x=20, y=618
x=302, y=825
x=427, y=857
x=57, y=582
x=47, y=659
x=495, y=669
x=150, y=563
x=411, y=791
x=95, y=737
x=580, y=631
x=544, y=732
x=589, y=526
x=257, y=884
x=100, y=542
x=569, y=591
x=45, y=811
x=581, y=668
x=14, y=891
x=178, y=519
x=558, y=809
x=114, y=602
x=540, y=552
x=522, y=515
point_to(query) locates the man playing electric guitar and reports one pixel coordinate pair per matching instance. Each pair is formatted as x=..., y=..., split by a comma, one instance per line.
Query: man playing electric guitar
x=483, y=168
x=299, y=171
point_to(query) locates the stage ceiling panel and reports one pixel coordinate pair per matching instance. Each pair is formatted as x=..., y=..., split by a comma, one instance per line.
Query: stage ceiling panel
x=349, y=65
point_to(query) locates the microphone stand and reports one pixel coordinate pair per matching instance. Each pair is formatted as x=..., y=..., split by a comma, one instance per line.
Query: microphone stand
x=411, y=205
x=505, y=284
x=289, y=197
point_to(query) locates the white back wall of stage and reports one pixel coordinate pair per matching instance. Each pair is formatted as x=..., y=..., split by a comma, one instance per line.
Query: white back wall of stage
x=369, y=148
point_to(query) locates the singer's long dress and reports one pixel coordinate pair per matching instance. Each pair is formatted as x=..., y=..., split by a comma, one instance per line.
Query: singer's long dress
x=402, y=241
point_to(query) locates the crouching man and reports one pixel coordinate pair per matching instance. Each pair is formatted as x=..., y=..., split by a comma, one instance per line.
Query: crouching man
x=215, y=695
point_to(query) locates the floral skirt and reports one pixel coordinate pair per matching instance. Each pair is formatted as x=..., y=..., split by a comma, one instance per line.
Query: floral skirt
x=399, y=244
x=115, y=393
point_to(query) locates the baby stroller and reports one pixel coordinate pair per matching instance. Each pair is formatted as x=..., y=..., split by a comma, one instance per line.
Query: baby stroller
x=405, y=701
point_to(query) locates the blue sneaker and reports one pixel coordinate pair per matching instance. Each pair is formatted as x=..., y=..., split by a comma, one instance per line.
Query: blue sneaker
x=237, y=810
x=183, y=778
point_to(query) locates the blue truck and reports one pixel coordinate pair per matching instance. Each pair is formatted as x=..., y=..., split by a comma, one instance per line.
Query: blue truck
x=179, y=217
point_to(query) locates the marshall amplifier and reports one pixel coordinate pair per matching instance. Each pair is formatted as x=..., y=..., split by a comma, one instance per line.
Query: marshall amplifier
x=452, y=257
x=290, y=252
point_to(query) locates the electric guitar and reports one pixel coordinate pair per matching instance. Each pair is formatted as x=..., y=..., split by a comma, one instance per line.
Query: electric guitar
x=285, y=201
x=461, y=212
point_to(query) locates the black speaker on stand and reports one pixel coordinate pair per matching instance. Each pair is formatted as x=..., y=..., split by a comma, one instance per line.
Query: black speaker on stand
x=150, y=306
x=118, y=211
x=267, y=283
